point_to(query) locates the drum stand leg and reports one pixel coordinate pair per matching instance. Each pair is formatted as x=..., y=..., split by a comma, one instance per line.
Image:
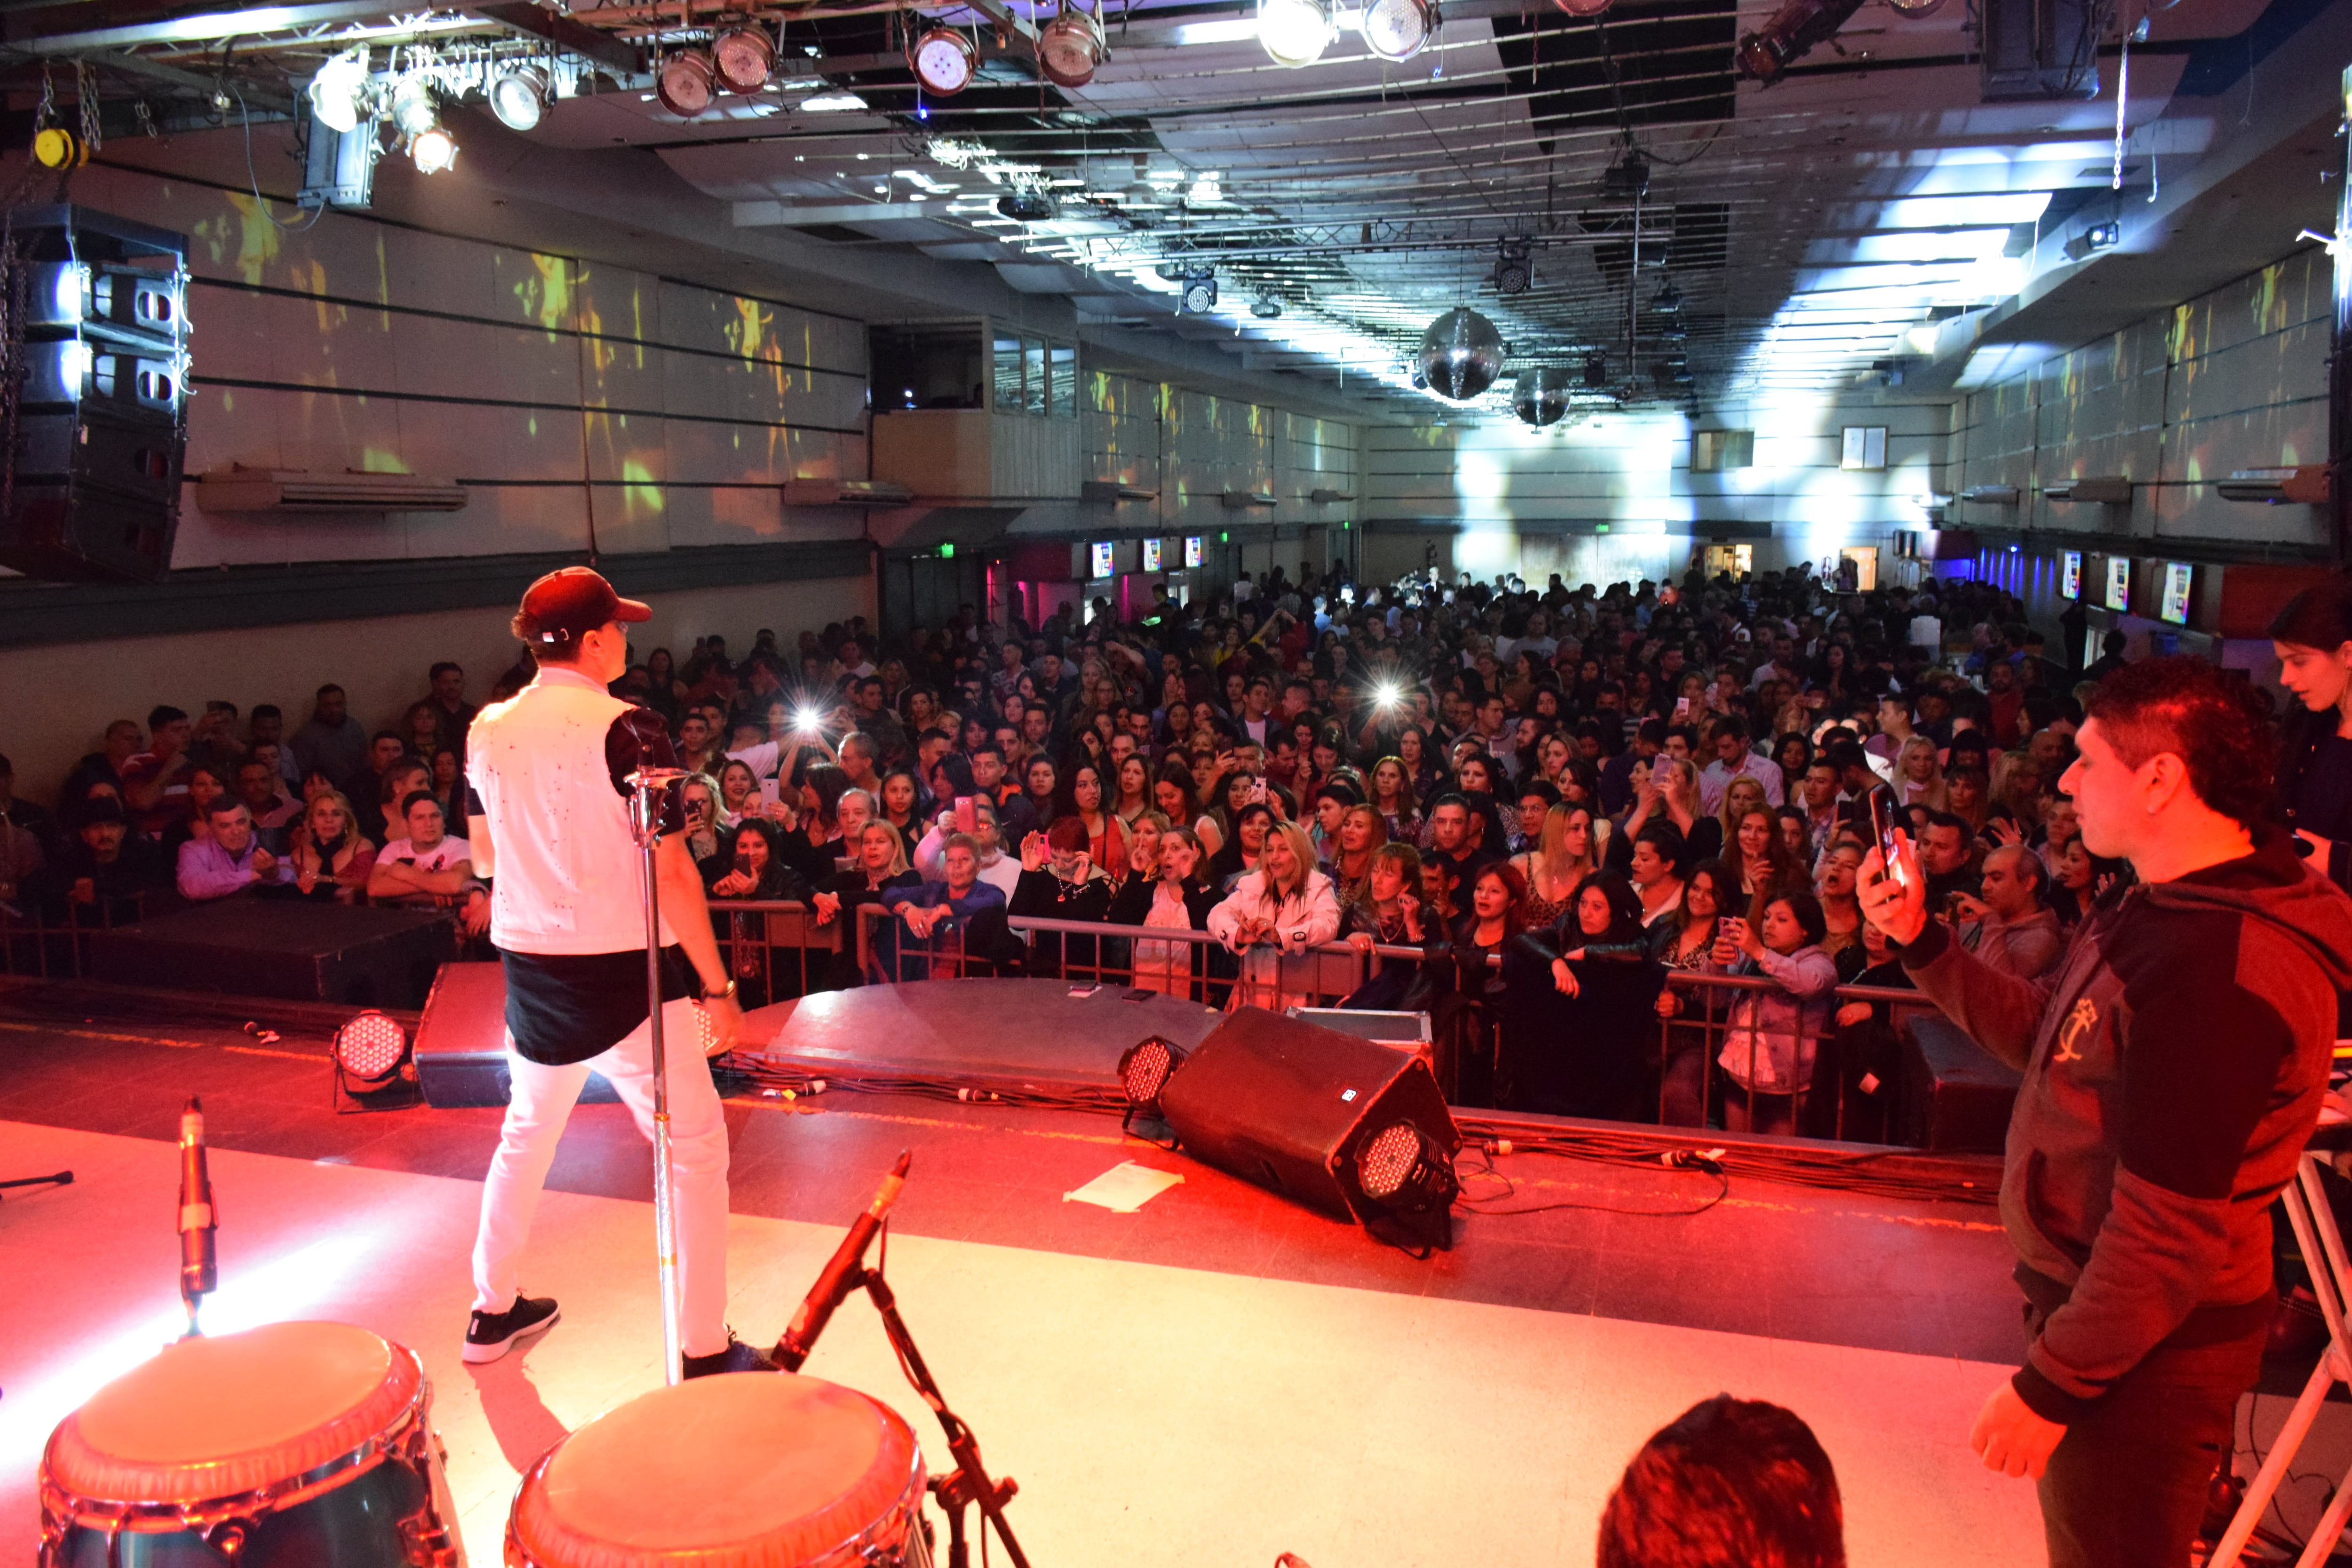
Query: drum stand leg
x=644, y=822
x=968, y=1483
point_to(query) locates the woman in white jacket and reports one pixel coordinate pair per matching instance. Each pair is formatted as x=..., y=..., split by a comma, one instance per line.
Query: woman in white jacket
x=1273, y=916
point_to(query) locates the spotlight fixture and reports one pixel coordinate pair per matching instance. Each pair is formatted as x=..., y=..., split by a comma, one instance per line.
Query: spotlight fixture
x=1628, y=178
x=1540, y=396
x=338, y=91
x=1028, y=206
x=1143, y=1072
x=433, y=150
x=1461, y=355
x=1407, y=1183
x=1265, y=307
x=742, y=57
x=413, y=112
x=1071, y=47
x=1788, y=34
x=1667, y=301
x=1513, y=272
x=1399, y=29
x=519, y=96
x=1295, y=32
x=370, y=1053
x=686, y=84
x=1200, y=296
x=944, y=61
x=2098, y=236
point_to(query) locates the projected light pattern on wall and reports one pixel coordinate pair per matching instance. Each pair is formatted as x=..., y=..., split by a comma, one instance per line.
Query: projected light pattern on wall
x=546, y=385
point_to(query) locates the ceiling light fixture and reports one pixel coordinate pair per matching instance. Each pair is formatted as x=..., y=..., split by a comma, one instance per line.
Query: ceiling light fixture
x=338, y=91
x=1200, y=296
x=1294, y=32
x=434, y=152
x=1071, y=47
x=944, y=61
x=1788, y=34
x=1461, y=355
x=1513, y=274
x=686, y=84
x=834, y=103
x=743, y=58
x=519, y=96
x=413, y=109
x=1265, y=307
x=1028, y=206
x=1398, y=29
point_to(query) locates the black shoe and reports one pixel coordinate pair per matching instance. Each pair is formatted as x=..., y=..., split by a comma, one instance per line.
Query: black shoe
x=491, y=1334
x=736, y=1357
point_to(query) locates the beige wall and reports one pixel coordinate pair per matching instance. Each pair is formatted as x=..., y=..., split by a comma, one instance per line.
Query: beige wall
x=62, y=696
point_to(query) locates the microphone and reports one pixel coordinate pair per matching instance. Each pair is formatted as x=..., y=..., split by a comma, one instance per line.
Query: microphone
x=841, y=1272
x=199, y=1271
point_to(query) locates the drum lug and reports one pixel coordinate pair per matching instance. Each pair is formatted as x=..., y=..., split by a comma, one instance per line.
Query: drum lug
x=428, y=1540
x=229, y=1536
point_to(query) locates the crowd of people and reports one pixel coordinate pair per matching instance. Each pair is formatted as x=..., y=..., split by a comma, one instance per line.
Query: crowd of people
x=1535, y=804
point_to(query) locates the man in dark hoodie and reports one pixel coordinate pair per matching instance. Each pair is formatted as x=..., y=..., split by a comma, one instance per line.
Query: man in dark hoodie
x=2174, y=1065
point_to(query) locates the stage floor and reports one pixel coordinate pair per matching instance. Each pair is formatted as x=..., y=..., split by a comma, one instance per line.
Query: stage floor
x=1145, y=1376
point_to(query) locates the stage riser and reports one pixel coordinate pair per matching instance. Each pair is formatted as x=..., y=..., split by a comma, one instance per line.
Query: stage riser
x=461, y=1054
x=299, y=952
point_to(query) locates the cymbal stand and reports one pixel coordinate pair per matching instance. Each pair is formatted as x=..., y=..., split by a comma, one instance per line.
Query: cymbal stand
x=968, y=1483
x=650, y=785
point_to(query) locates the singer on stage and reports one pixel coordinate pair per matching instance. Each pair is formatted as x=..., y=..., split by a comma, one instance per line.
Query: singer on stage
x=547, y=774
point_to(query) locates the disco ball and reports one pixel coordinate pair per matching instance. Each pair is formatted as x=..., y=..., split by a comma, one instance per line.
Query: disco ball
x=1462, y=353
x=1540, y=396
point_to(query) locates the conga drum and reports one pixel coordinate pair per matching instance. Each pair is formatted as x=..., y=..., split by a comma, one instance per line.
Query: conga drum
x=294, y=1443
x=752, y=1468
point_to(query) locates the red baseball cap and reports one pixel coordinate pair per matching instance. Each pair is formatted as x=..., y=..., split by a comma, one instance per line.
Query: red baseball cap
x=567, y=604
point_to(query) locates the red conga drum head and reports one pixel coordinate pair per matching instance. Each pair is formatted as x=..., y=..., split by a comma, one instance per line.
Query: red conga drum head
x=748, y=1471
x=221, y=1417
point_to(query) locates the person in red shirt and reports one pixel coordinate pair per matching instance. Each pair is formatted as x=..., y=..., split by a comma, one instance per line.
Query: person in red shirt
x=155, y=782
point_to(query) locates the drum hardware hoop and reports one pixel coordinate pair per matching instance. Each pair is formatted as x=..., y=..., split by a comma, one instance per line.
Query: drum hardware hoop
x=407, y=1439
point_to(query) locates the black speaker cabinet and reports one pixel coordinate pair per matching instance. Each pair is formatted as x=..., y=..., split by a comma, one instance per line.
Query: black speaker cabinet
x=1288, y=1105
x=1955, y=1096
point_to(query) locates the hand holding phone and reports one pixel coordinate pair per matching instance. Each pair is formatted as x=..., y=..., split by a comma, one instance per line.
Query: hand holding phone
x=967, y=814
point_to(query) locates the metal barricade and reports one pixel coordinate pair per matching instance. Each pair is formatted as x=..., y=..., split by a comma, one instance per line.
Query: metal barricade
x=774, y=948
x=34, y=943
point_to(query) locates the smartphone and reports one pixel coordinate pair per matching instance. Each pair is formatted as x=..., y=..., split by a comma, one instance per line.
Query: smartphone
x=770, y=792
x=1258, y=793
x=967, y=817
x=1886, y=814
x=1681, y=706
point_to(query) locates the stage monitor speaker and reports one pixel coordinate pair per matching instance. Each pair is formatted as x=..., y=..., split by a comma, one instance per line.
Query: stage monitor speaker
x=1352, y=1127
x=461, y=1040
x=1954, y=1096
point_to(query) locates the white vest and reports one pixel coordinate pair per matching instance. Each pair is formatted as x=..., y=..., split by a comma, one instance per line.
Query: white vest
x=566, y=873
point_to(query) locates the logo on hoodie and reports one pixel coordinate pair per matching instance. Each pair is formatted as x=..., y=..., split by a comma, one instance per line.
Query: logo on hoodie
x=2078, y=1024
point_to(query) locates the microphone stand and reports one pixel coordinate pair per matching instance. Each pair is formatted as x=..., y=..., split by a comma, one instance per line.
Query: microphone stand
x=968, y=1483
x=645, y=826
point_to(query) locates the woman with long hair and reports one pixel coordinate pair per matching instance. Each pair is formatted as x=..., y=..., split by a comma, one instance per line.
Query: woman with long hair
x=1362, y=834
x=752, y=866
x=700, y=802
x=900, y=799
x=1582, y=1007
x=1393, y=798
x=739, y=794
x=1040, y=783
x=1756, y=863
x=1134, y=796
x=1919, y=775
x=420, y=728
x=1176, y=798
x=1772, y=1038
x=879, y=866
x=1170, y=893
x=448, y=787
x=1242, y=846
x=331, y=858
x=1421, y=765
x=1273, y=916
x=1463, y=986
x=1565, y=854
x=819, y=840
x=1668, y=794
x=1082, y=795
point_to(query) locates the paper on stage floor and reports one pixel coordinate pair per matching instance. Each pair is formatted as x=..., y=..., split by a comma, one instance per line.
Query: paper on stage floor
x=1125, y=1187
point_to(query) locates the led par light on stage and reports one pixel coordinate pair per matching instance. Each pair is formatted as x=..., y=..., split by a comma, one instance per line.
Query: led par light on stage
x=370, y=1052
x=742, y=58
x=1398, y=29
x=685, y=84
x=519, y=96
x=1071, y=48
x=1409, y=1178
x=944, y=61
x=1294, y=32
x=433, y=150
x=1514, y=273
x=1200, y=296
x=1143, y=1073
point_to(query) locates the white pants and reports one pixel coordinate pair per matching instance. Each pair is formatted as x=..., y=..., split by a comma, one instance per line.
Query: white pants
x=538, y=1104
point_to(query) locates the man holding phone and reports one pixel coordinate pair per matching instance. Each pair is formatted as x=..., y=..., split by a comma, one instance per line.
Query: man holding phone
x=2173, y=1064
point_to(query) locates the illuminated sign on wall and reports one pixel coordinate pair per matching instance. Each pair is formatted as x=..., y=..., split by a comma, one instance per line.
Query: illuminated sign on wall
x=1192, y=550
x=2070, y=573
x=1101, y=560
x=2118, y=582
x=1152, y=555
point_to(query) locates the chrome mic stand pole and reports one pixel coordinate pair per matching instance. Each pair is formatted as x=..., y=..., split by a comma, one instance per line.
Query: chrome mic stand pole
x=650, y=785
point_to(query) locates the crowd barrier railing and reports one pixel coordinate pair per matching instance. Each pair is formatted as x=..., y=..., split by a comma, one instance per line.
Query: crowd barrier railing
x=35, y=942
